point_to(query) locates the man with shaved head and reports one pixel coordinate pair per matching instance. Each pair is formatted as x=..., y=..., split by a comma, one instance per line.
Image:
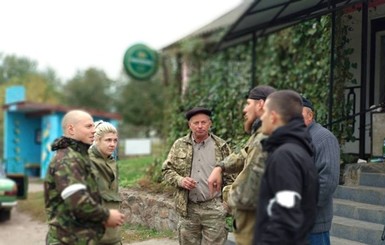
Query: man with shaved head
x=72, y=199
x=289, y=186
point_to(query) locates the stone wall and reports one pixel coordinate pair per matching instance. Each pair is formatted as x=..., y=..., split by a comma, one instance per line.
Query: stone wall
x=148, y=209
x=352, y=172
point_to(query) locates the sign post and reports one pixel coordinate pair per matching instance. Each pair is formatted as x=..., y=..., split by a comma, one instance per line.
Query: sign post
x=140, y=62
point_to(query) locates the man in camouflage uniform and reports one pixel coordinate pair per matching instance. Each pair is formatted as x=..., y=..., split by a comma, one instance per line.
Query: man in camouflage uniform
x=241, y=196
x=72, y=200
x=187, y=167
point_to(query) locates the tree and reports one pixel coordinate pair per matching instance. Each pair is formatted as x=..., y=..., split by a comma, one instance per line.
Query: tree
x=141, y=105
x=12, y=66
x=91, y=88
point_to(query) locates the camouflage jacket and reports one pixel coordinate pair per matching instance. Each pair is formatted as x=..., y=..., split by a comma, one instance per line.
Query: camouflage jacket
x=179, y=163
x=106, y=174
x=72, y=199
x=250, y=162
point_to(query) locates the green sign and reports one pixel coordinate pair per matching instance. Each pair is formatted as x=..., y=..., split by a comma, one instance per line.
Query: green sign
x=140, y=62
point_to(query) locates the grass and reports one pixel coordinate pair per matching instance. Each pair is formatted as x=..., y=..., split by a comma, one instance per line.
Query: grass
x=140, y=233
x=34, y=206
x=132, y=172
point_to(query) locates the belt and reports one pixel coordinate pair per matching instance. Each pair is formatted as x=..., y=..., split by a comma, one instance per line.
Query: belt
x=205, y=201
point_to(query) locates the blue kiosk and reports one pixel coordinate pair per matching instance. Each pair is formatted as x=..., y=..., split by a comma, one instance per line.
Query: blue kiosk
x=29, y=130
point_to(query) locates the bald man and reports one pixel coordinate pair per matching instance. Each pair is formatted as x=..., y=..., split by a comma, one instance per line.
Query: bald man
x=72, y=199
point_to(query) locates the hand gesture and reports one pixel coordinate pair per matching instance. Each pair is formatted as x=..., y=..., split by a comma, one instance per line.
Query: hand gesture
x=215, y=181
x=188, y=183
x=115, y=219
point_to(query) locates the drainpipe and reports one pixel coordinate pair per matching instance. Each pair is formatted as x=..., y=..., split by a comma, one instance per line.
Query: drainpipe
x=332, y=64
x=364, y=47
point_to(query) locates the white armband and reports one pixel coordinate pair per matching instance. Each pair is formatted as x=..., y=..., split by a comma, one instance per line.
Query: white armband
x=70, y=190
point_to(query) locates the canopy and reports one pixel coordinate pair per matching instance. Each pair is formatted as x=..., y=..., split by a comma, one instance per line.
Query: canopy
x=267, y=16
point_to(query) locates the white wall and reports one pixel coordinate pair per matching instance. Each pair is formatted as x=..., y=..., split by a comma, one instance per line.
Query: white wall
x=355, y=43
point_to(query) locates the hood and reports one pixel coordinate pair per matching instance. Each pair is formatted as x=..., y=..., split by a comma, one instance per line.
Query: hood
x=65, y=142
x=294, y=132
x=93, y=150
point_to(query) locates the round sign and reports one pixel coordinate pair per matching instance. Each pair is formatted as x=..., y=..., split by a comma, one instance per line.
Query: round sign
x=140, y=62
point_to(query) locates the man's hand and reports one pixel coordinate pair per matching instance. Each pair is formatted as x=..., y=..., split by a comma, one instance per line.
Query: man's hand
x=115, y=219
x=188, y=183
x=215, y=181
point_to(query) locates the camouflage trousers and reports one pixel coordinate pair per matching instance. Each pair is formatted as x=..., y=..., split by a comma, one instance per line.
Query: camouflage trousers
x=112, y=236
x=204, y=224
x=244, y=222
x=52, y=238
x=115, y=243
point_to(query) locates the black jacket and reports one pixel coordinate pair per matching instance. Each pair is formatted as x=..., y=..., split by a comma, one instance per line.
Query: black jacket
x=290, y=175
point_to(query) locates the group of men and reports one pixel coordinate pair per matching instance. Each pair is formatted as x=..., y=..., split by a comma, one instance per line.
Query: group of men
x=278, y=188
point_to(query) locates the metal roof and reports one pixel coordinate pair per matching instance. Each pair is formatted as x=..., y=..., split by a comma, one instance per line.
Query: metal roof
x=267, y=16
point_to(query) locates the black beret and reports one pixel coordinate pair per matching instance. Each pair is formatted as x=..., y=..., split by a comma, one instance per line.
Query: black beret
x=260, y=92
x=307, y=103
x=197, y=110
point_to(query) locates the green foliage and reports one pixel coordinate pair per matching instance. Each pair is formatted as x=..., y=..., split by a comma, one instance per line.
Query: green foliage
x=12, y=66
x=141, y=104
x=90, y=89
x=296, y=58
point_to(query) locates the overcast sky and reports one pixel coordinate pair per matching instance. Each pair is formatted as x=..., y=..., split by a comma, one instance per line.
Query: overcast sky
x=72, y=35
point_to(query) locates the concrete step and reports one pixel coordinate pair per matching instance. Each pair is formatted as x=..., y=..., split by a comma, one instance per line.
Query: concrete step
x=230, y=239
x=356, y=230
x=341, y=241
x=359, y=211
x=372, y=179
x=365, y=194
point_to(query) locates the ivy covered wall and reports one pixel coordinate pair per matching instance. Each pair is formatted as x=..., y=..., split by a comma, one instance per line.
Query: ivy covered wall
x=296, y=58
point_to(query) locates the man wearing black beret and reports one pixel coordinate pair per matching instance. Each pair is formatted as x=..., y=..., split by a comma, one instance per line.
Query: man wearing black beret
x=187, y=167
x=241, y=196
x=197, y=110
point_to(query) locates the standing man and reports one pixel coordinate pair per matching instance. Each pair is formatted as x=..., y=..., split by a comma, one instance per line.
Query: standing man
x=289, y=186
x=327, y=162
x=72, y=199
x=187, y=167
x=250, y=164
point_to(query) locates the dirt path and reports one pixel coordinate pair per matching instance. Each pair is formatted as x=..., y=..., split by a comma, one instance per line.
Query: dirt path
x=21, y=230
